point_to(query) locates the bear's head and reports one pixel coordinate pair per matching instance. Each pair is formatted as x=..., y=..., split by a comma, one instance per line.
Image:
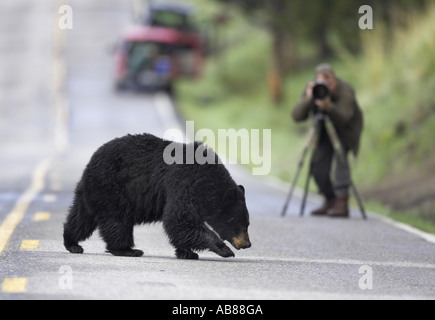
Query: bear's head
x=233, y=220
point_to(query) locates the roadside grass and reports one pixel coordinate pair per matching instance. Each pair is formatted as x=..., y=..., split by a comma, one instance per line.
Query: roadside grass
x=394, y=77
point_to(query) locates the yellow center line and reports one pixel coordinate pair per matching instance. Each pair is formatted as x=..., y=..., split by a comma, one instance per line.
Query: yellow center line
x=29, y=244
x=41, y=216
x=14, y=217
x=14, y=285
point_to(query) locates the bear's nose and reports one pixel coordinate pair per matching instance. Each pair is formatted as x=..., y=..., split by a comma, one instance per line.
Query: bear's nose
x=242, y=241
x=246, y=245
x=247, y=242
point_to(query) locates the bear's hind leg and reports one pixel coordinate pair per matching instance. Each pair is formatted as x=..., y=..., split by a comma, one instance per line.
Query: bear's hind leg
x=78, y=227
x=119, y=238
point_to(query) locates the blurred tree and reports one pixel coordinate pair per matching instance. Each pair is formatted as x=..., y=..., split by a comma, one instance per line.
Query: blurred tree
x=317, y=21
x=288, y=21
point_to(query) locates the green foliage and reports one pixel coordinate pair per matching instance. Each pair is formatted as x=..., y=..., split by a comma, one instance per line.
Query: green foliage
x=320, y=21
x=394, y=76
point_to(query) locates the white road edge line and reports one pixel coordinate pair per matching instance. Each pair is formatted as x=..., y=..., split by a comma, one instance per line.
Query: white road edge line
x=426, y=236
x=393, y=264
x=165, y=109
x=280, y=185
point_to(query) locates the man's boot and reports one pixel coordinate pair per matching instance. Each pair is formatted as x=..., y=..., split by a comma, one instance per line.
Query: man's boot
x=323, y=210
x=340, y=208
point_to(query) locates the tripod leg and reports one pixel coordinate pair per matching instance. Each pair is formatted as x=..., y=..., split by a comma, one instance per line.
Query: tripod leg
x=311, y=140
x=295, y=179
x=330, y=129
x=304, y=199
x=360, y=204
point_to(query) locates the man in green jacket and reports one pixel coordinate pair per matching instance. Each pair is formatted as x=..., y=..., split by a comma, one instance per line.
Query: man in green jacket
x=346, y=116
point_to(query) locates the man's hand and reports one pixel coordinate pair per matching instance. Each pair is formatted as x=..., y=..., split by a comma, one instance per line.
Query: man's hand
x=325, y=104
x=309, y=91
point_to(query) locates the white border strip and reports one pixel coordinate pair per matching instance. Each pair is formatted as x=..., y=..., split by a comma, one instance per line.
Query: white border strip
x=280, y=185
x=426, y=236
x=393, y=264
x=165, y=109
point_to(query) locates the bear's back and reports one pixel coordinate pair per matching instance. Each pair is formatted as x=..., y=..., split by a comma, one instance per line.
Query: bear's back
x=129, y=174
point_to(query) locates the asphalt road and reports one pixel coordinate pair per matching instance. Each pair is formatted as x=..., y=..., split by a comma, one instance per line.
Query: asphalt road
x=57, y=106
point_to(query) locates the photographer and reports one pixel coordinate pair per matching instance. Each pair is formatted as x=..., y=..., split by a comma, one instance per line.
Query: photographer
x=334, y=97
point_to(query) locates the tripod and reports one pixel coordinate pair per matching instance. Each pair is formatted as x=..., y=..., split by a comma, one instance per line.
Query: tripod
x=312, y=141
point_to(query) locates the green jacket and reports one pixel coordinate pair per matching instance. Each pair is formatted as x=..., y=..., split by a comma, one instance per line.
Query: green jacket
x=346, y=115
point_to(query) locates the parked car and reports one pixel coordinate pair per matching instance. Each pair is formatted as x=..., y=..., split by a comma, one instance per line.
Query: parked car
x=165, y=47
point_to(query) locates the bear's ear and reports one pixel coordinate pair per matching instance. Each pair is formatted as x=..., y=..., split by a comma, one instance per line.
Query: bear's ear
x=230, y=196
x=242, y=188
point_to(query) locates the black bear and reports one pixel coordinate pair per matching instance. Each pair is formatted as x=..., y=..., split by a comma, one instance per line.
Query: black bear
x=127, y=182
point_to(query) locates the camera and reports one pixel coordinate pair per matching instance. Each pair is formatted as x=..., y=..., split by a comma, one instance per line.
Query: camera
x=321, y=90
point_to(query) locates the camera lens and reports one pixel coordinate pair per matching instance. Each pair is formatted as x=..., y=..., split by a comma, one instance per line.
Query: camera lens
x=320, y=91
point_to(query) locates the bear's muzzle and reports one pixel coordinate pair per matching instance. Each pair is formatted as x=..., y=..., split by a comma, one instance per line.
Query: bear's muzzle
x=241, y=241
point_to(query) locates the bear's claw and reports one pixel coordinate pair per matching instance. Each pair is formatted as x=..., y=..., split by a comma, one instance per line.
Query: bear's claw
x=225, y=252
x=75, y=249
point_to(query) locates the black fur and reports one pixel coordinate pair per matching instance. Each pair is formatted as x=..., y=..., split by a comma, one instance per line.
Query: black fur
x=127, y=183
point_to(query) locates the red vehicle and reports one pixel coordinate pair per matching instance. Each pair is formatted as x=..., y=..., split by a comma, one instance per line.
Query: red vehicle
x=166, y=47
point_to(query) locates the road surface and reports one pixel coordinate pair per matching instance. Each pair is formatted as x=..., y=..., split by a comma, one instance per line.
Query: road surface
x=57, y=106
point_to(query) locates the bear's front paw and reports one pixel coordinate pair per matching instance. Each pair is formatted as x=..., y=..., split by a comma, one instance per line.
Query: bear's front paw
x=224, y=251
x=75, y=249
x=186, y=254
x=126, y=252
